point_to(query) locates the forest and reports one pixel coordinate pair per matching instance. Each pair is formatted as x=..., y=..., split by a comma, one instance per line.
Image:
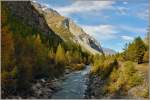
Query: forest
x=27, y=55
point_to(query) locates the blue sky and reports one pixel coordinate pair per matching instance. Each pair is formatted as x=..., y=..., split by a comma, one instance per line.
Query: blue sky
x=111, y=22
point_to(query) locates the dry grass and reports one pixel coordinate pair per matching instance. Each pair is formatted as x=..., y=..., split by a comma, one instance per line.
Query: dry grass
x=143, y=70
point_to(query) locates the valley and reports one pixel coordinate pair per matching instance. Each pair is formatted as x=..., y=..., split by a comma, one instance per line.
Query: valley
x=46, y=55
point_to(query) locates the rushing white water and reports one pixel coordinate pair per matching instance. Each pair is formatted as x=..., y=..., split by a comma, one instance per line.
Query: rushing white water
x=74, y=86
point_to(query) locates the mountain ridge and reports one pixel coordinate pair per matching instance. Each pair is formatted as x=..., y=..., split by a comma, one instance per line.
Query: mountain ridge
x=68, y=29
x=108, y=51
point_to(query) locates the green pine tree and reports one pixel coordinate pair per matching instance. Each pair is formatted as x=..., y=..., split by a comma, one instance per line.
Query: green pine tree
x=135, y=50
x=140, y=49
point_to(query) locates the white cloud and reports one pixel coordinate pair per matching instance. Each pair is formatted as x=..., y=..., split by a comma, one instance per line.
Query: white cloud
x=102, y=32
x=84, y=6
x=107, y=32
x=95, y=8
x=132, y=29
x=128, y=38
x=143, y=14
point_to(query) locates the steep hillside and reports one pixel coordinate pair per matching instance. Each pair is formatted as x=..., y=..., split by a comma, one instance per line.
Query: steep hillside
x=25, y=16
x=68, y=30
x=25, y=11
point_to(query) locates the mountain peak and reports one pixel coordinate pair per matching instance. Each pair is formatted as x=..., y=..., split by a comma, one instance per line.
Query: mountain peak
x=44, y=9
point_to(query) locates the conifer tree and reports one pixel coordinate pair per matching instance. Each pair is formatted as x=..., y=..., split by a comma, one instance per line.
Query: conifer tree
x=41, y=54
x=68, y=57
x=140, y=49
x=135, y=50
x=7, y=49
x=60, y=55
x=51, y=55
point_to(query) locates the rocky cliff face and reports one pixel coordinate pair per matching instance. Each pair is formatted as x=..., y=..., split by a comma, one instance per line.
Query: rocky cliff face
x=25, y=12
x=68, y=30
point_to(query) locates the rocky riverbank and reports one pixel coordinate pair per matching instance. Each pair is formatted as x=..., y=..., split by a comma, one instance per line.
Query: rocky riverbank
x=41, y=89
x=97, y=88
x=44, y=89
x=93, y=87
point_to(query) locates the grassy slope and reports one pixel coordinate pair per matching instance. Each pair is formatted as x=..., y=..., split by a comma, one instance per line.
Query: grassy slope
x=142, y=70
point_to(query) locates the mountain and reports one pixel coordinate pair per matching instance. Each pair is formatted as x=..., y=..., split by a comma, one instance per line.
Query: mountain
x=28, y=15
x=109, y=51
x=67, y=29
x=25, y=16
x=51, y=25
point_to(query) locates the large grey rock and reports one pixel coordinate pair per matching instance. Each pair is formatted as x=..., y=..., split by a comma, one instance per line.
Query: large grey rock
x=43, y=89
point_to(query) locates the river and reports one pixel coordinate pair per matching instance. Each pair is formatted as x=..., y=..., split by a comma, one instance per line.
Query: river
x=73, y=86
